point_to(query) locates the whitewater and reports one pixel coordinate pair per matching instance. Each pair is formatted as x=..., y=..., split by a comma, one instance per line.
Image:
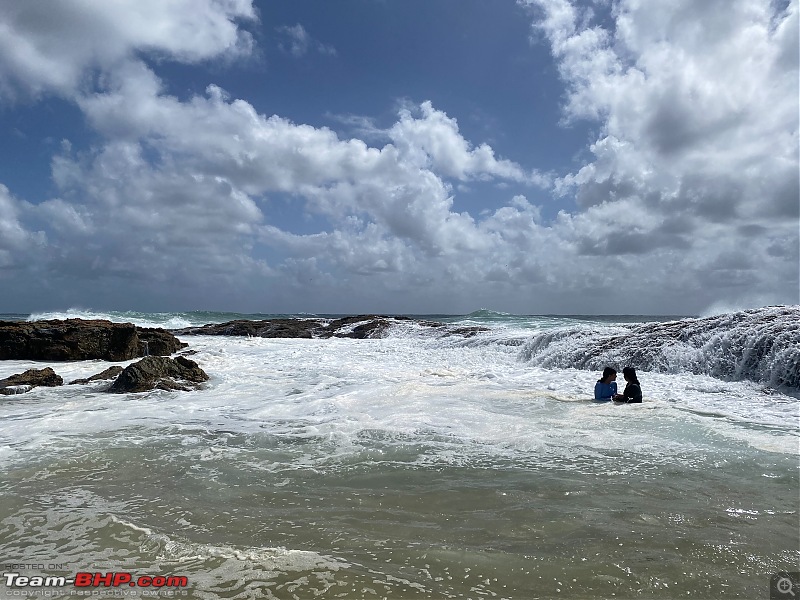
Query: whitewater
x=423, y=464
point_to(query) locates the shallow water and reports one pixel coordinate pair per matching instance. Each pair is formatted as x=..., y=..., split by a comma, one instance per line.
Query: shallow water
x=408, y=467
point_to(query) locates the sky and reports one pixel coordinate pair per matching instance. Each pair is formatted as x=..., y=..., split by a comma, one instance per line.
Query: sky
x=529, y=156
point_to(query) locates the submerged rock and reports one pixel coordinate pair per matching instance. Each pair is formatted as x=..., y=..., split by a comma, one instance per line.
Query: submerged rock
x=79, y=339
x=159, y=372
x=24, y=382
x=109, y=373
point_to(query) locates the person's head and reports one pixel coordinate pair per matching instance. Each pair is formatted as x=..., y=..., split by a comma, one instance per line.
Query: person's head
x=609, y=375
x=629, y=373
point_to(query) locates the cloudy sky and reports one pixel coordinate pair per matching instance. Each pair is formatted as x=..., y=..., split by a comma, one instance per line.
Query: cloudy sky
x=537, y=156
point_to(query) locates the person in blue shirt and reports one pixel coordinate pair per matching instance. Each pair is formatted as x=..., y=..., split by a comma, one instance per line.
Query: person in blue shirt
x=606, y=387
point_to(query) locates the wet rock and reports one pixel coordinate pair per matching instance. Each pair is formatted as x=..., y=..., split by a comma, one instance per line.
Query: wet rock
x=356, y=327
x=79, y=339
x=159, y=372
x=467, y=331
x=23, y=382
x=361, y=326
x=157, y=342
x=761, y=344
x=109, y=373
x=272, y=328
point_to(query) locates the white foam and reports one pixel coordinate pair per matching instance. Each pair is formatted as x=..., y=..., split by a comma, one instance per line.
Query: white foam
x=151, y=320
x=442, y=399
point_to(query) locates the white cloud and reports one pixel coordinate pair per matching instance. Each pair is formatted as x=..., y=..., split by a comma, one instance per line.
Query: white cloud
x=295, y=40
x=690, y=195
x=55, y=46
x=697, y=157
x=18, y=245
x=434, y=141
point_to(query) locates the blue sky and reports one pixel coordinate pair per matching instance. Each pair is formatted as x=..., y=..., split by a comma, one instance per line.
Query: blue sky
x=538, y=156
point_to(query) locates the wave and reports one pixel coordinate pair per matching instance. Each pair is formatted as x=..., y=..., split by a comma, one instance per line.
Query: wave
x=164, y=320
x=761, y=345
x=141, y=319
x=485, y=313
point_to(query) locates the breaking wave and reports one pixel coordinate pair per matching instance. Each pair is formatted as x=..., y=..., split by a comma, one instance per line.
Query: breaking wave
x=760, y=345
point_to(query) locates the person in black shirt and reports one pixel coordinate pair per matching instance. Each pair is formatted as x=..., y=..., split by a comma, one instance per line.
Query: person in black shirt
x=633, y=391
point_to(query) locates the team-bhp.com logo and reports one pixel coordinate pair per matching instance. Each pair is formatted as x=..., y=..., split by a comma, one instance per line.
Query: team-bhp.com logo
x=95, y=580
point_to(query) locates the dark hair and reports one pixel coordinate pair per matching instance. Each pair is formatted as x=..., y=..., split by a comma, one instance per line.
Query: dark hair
x=630, y=374
x=608, y=372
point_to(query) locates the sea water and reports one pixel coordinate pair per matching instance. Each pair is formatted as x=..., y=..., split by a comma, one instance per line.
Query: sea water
x=418, y=465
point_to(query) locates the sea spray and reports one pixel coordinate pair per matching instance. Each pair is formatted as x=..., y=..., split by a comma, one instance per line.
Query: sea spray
x=761, y=345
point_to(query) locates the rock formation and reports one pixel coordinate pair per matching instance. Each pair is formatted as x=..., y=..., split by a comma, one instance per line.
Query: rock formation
x=109, y=373
x=78, y=339
x=159, y=372
x=357, y=327
x=23, y=382
x=760, y=344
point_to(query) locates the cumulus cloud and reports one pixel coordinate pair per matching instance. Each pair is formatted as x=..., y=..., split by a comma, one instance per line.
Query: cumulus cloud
x=699, y=140
x=57, y=46
x=189, y=195
x=295, y=40
x=689, y=196
x=18, y=245
x=432, y=139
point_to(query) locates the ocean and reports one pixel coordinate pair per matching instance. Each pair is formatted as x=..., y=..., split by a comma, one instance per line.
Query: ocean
x=418, y=465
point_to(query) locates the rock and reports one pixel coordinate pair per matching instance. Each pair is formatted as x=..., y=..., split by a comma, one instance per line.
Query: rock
x=13, y=390
x=79, y=339
x=159, y=372
x=158, y=342
x=109, y=373
x=272, y=328
x=361, y=326
x=357, y=327
x=761, y=344
x=467, y=331
x=30, y=379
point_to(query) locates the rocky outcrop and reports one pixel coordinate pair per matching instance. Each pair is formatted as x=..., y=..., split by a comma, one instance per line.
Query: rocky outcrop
x=79, y=339
x=359, y=327
x=273, y=328
x=23, y=382
x=760, y=344
x=356, y=327
x=159, y=372
x=109, y=373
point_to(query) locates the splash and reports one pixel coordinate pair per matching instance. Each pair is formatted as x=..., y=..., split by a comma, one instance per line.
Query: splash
x=761, y=345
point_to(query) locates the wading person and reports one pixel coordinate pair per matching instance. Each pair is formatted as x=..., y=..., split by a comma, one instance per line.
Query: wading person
x=606, y=387
x=633, y=391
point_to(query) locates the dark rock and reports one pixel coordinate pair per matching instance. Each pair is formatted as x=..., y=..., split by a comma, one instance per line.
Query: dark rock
x=357, y=327
x=272, y=328
x=79, y=339
x=366, y=326
x=109, y=373
x=158, y=372
x=157, y=342
x=13, y=390
x=30, y=379
x=467, y=331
